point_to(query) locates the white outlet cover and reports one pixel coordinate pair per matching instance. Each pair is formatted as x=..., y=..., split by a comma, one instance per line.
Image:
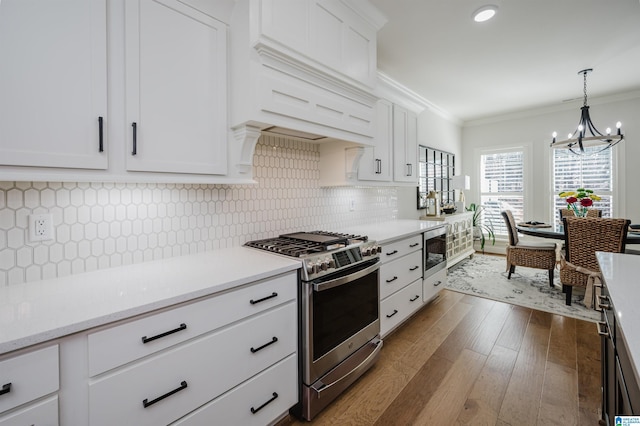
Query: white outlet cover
x=40, y=227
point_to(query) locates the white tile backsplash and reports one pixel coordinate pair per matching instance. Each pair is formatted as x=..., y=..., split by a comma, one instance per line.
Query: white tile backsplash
x=102, y=225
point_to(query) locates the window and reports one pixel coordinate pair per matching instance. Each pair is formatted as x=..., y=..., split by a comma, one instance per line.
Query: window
x=435, y=173
x=502, y=186
x=571, y=171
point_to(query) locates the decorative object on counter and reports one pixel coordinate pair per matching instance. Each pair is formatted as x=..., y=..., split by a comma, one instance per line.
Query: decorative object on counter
x=449, y=209
x=461, y=183
x=579, y=200
x=577, y=141
x=484, y=276
x=480, y=227
x=433, y=204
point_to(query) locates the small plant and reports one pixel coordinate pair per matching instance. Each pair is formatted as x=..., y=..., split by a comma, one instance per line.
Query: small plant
x=482, y=227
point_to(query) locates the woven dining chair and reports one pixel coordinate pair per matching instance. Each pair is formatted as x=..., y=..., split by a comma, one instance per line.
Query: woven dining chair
x=583, y=236
x=530, y=254
x=590, y=213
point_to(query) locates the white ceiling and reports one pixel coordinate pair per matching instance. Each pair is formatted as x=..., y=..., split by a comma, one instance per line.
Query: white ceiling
x=527, y=56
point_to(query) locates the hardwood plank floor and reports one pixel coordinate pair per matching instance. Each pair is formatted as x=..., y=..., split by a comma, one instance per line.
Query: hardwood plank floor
x=465, y=360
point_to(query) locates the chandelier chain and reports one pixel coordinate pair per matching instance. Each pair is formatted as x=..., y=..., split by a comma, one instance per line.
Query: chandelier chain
x=585, y=88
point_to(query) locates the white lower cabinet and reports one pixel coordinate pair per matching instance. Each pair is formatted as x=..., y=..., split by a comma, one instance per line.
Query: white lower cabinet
x=167, y=386
x=432, y=285
x=41, y=413
x=399, y=306
x=257, y=402
x=25, y=378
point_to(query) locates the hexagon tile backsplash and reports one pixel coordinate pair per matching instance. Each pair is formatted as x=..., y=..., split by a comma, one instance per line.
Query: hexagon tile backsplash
x=102, y=225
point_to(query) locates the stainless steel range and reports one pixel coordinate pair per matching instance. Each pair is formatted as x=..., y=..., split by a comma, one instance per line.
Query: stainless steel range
x=339, y=311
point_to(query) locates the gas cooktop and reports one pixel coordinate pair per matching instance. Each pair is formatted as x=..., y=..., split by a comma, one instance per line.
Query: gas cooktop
x=300, y=244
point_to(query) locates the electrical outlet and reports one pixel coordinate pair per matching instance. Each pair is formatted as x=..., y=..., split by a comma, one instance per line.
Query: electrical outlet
x=40, y=227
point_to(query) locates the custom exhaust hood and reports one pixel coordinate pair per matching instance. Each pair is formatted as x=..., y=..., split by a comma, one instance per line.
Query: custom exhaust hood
x=316, y=84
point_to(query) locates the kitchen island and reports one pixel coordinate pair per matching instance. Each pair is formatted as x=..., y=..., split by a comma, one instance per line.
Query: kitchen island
x=620, y=337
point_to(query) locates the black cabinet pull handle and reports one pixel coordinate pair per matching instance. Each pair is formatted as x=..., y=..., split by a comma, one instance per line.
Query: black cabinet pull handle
x=414, y=245
x=395, y=311
x=437, y=283
x=413, y=299
x=414, y=268
x=6, y=388
x=254, y=350
x=378, y=166
x=134, y=151
x=146, y=403
x=392, y=253
x=392, y=279
x=253, y=302
x=100, y=135
x=273, y=398
x=409, y=169
x=146, y=339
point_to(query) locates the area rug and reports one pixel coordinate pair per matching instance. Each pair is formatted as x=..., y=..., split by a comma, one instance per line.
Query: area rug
x=486, y=276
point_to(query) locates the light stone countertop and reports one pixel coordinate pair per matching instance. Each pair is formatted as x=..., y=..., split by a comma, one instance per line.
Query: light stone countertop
x=621, y=272
x=39, y=311
x=385, y=232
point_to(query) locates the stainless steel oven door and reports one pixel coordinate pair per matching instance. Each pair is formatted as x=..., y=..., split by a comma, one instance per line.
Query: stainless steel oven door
x=435, y=250
x=340, y=314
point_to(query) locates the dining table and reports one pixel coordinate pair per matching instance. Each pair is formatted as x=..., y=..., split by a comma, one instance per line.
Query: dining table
x=556, y=232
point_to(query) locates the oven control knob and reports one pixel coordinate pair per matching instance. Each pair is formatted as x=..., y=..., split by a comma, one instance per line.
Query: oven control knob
x=311, y=268
x=332, y=264
x=378, y=249
x=324, y=265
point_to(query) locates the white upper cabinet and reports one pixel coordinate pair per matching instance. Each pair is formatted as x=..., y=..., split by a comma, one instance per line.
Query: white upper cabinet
x=53, y=83
x=375, y=164
x=175, y=60
x=405, y=145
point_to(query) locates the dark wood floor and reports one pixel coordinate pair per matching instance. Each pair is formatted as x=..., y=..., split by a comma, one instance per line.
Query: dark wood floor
x=468, y=360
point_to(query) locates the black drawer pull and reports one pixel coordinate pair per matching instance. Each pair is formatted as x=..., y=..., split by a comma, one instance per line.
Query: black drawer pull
x=273, y=398
x=146, y=403
x=392, y=253
x=254, y=350
x=414, y=268
x=100, y=136
x=414, y=245
x=413, y=299
x=395, y=311
x=392, y=280
x=146, y=339
x=437, y=283
x=274, y=294
x=134, y=150
x=6, y=388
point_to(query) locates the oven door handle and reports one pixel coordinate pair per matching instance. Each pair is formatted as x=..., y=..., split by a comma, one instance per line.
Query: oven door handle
x=322, y=286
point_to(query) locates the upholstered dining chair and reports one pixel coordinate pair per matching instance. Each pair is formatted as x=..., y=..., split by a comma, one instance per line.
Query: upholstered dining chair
x=583, y=236
x=590, y=213
x=540, y=255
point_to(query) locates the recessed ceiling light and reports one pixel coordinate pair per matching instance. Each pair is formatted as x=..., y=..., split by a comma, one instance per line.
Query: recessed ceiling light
x=485, y=13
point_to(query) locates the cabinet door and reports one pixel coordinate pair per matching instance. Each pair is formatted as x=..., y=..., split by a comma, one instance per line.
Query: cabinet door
x=405, y=145
x=53, y=82
x=375, y=163
x=176, y=89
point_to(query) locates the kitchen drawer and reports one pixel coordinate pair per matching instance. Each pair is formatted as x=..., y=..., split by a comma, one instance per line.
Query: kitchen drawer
x=433, y=284
x=399, y=306
x=399, y=248
x=115, y=346
x=241, y=405
x=198, y=371
x=399, y=273
x=28, y=377
x=41, y=413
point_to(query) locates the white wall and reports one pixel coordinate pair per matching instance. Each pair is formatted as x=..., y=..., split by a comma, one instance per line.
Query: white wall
x=533, y=130
x=434, y=131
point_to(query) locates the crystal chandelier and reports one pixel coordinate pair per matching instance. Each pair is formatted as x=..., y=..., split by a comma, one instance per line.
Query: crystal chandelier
x=586, y=134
